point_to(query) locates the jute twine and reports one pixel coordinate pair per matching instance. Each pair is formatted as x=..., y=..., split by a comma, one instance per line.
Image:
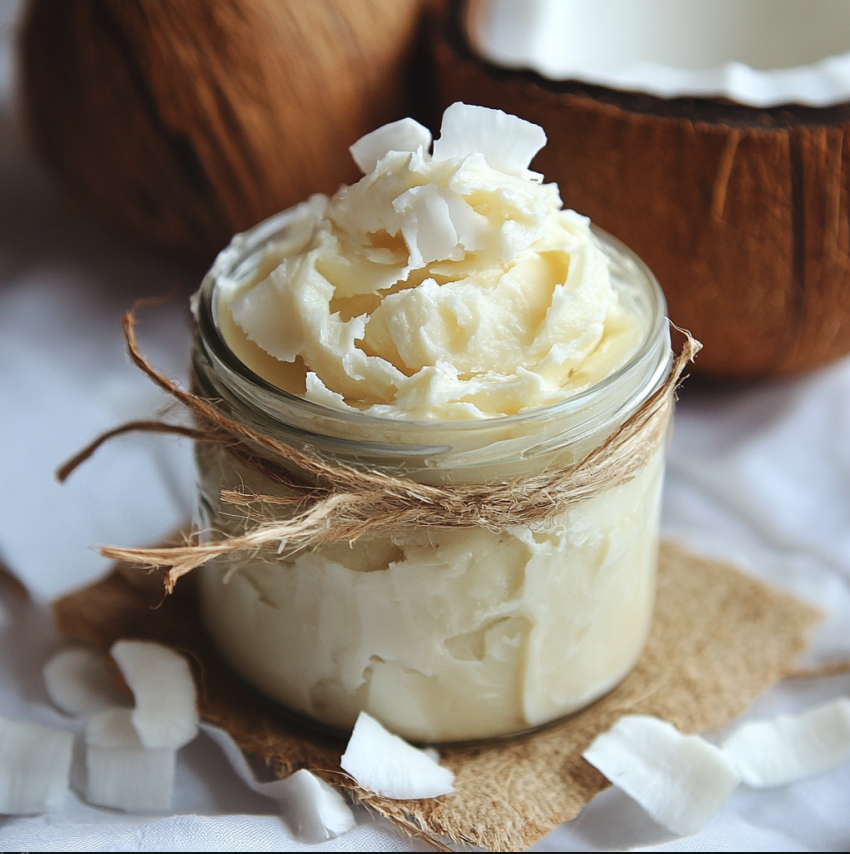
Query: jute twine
x=337, y=502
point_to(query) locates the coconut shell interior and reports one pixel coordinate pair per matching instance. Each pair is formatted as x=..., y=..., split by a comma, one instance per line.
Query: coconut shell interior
x=741, y=212
x=718, y=641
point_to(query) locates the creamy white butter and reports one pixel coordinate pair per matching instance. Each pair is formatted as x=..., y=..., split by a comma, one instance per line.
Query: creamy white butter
x=447, y=635
x=445, y=288
x=440, y=287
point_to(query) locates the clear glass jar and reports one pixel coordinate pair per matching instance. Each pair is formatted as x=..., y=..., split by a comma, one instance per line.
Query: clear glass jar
x=443, y=634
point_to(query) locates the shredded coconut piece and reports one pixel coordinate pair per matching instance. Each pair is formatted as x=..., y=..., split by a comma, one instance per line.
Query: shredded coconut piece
x=680, y=780
x=403, y=135
x=121, y=772
x=387, y=765
x=166, y=714
x=788, y=748
x=79, y=683
x=318, y=811
x=35, y=762
x=507, y=142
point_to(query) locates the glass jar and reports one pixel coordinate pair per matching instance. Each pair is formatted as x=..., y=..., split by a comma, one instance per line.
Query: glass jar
x=443, y=634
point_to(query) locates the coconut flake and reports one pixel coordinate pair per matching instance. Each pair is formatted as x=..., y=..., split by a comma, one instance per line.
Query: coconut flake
x=78, y=682
x=403, y=135
x=427, y=225
x=680, y=780
x=318, y=392
x=268, y=314
x=387, y=765
x=507, y=142
x=35, y=763
x=166, y=714
x=121, y=772
x=316, y=809
x=788, y=748
x=438, y=224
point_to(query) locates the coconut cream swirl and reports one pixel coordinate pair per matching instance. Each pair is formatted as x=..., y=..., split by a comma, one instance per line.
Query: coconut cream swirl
x=444, y=285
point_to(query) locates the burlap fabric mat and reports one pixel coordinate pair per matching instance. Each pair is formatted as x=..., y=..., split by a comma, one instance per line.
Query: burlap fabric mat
x=719, y=640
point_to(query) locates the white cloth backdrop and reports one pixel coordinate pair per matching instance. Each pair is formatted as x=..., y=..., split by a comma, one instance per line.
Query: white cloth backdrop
x=759, y=475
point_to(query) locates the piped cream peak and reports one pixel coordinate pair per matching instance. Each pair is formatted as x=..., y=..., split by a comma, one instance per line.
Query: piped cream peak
x=444, y=285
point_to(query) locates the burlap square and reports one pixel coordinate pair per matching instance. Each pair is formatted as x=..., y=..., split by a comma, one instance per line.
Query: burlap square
x=719, y=640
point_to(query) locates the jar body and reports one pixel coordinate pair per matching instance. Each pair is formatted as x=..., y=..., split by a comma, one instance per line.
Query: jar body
x=442, y=633
x=445, y=634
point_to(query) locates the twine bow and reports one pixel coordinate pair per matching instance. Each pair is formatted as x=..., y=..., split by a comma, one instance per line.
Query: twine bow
x=338, y=502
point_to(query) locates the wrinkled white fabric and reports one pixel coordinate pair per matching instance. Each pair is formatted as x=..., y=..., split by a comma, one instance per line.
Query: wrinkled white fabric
x=758, y=475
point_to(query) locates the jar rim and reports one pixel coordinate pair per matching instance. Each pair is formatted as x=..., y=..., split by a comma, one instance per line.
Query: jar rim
x=245, y=245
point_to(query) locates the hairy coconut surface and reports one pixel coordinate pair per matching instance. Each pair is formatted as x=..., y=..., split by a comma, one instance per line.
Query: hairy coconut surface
x=741, y=212
x=185, y=121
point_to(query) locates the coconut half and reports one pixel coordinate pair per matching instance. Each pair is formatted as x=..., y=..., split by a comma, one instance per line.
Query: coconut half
x=121, y=772
x=166, y=713
x=680, y=780
x=385, y=764
x=739, y=210
x=78, y=682
x=35, y=764
x=789, y=748
x=316, y=810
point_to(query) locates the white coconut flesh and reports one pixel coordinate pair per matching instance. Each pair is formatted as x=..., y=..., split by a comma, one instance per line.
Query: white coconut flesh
x=315, y=809
x=166, y=714
x=35, y=763
x=385, y=764
x=790, y=748
x=680, y=780
x=507, y=142
x=78, y=682
x=121, y=772
x=403, y=135
x=758, y=52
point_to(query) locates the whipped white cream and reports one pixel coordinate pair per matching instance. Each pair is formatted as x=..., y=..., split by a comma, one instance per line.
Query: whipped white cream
x=442, y=286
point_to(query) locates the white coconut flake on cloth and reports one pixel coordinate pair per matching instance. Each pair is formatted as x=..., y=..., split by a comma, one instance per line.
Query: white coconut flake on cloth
x=166, y=714
x=387, y=765
x=317, y=811
x=680, y=780
x=122, y=773
x=35, y=763
x=789, y=748
x=78, y=682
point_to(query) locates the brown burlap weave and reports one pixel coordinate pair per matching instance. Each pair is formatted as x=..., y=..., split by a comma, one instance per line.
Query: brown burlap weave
x=719, y=639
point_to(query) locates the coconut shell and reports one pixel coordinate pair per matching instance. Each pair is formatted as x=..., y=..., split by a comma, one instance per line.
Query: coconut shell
x=742, y=213
x=185, y=121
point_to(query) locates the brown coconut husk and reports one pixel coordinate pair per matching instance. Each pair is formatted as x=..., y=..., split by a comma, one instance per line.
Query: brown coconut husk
x=182, y=122
x=742, y=213
x=718, y=641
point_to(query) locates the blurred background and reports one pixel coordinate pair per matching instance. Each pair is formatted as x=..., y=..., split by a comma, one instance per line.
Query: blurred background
x=136, y=136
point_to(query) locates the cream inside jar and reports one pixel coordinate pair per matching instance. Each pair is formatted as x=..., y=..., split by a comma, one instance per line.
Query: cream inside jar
x=443, y=634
